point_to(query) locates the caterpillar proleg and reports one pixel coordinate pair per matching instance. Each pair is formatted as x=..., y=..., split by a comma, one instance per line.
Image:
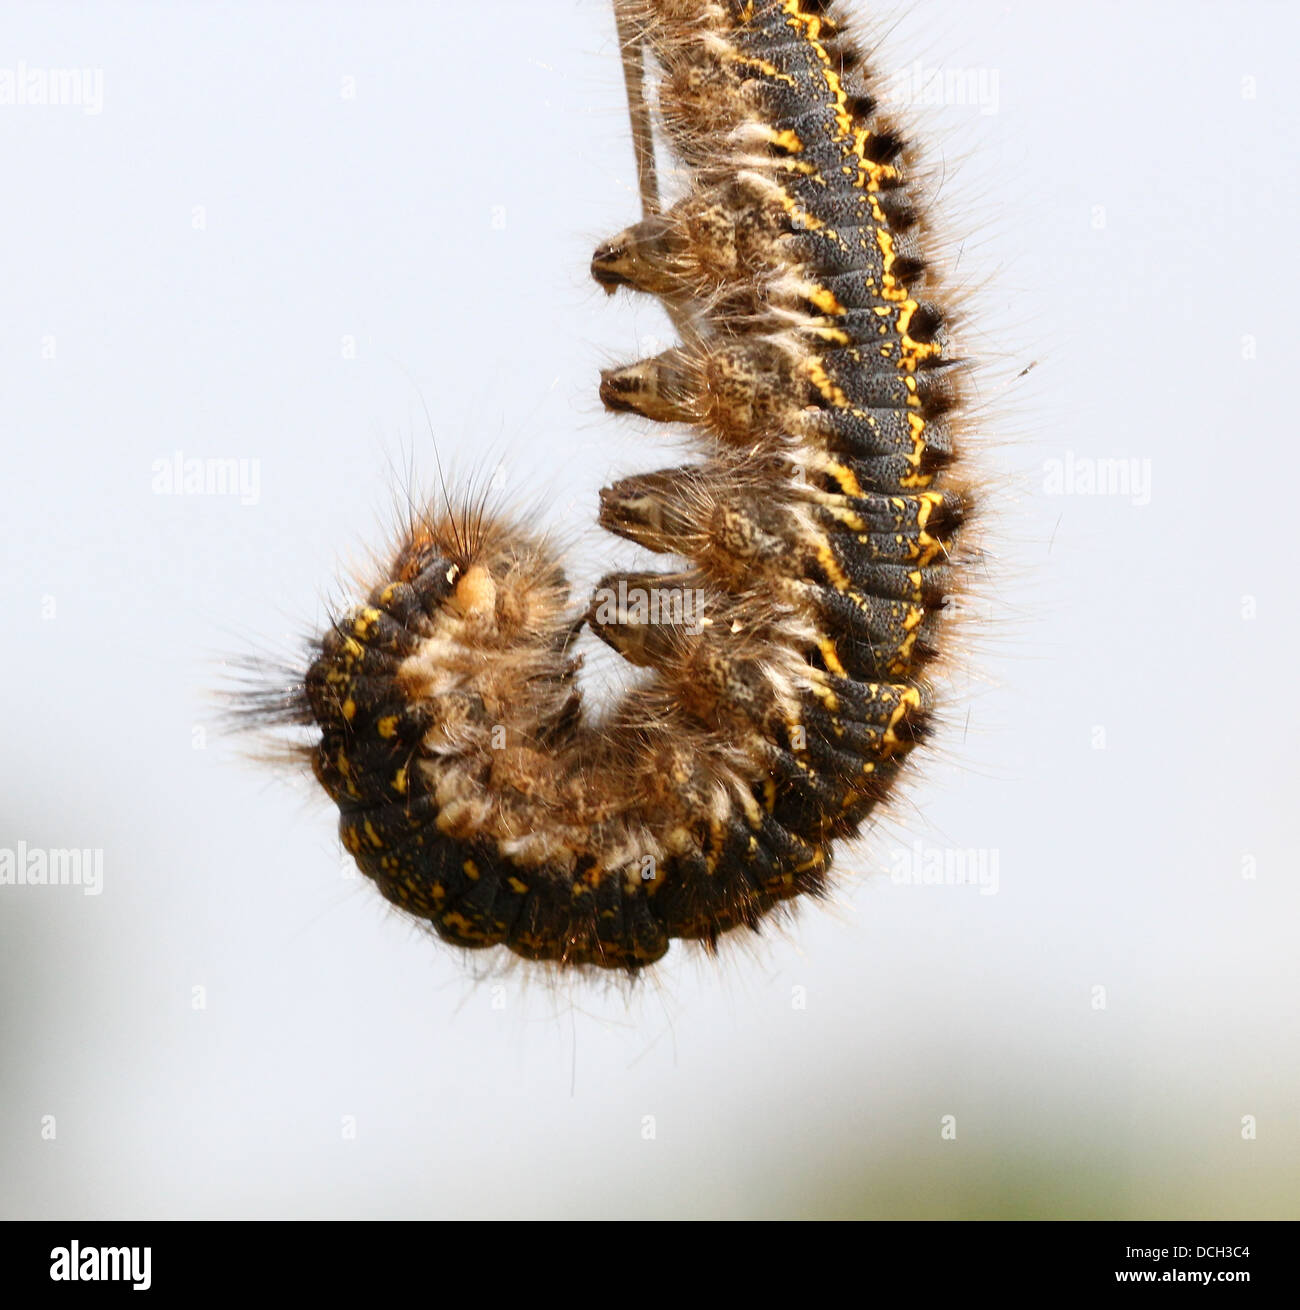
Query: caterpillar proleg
x=817, y=536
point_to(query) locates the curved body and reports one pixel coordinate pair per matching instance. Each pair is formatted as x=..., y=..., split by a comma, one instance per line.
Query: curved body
x=815, y=539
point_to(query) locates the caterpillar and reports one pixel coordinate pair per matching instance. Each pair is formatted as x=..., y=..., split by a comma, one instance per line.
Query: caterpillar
x=816, y=541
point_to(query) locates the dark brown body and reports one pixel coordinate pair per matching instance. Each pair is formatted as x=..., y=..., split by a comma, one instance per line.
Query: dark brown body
x=819, y=530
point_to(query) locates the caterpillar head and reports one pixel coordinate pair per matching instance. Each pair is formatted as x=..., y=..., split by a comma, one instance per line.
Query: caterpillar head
x=429, y=665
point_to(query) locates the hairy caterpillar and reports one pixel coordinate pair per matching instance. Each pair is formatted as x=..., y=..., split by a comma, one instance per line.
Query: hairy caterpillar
x=817, y=535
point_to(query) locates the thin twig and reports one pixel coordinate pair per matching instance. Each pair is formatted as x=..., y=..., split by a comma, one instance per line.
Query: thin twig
x=643, y=142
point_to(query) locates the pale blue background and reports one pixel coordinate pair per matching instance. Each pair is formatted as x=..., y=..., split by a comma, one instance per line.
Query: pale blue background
x=372, y=218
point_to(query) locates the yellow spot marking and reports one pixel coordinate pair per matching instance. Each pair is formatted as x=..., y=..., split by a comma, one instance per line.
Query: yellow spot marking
x=826, y=558
x=871, y=176
x=388, y=725
x=471, y=870
x=825, y=300
x=733, y=56
x=908, y=701
x=753, y=814
x=818, y=859
x=843, y=119
x=833, y=336
x=787, y=140
x=831, y=656
x=927, y=550
x=827, y=697
x=821, y=380
x=844, y=476
x=852, y=521
x=892, y=289
x=717, y=835
x=798, y=212
x=914, y=352
x=365, y=622
x=801, y=166
x=461, y=926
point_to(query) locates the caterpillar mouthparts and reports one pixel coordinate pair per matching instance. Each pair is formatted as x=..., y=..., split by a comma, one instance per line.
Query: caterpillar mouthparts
x=820, y=527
